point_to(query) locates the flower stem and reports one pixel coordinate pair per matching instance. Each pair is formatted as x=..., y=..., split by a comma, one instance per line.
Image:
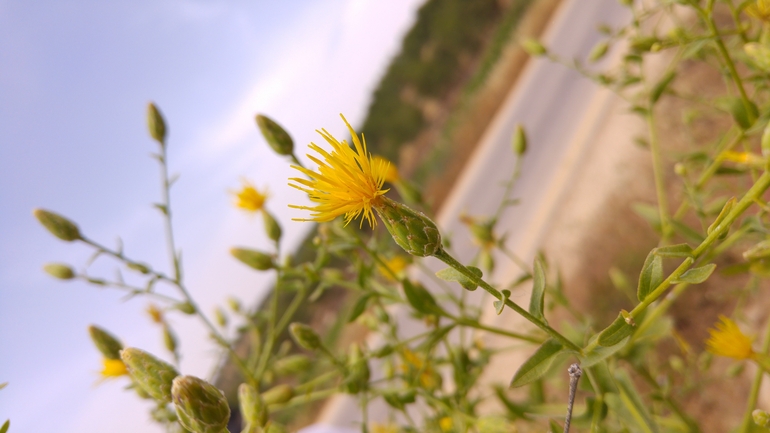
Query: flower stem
x=452, y=262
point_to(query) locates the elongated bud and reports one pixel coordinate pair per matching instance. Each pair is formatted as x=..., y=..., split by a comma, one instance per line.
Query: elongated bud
x=533, y=47
x=59, y=270
x=107, y=344
x=519, y=140
x=305, y=336
x=253, y=258
x=200, y=406
x=253, y=408
x=59, y=226
x=169, y=339
x=357, y=377
x=292, y=364
x=185, y=307
x=150, y=373
x=278, y=394
x=598, y=51
x=412, y=230
x=272, y=228
x=276, y=136
x=156, y=124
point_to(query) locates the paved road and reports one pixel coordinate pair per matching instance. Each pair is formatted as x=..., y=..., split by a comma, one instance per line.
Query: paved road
x=560, y=110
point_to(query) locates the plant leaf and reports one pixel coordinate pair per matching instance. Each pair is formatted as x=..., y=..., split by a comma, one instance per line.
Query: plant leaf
x=616, y=332
x=537, y=300
x=678, y=250
x=359, y=307
x=631, y=405
x=696, y=275
x=650, y=277
x=420, y=298
x=538, y=364
x=452, y=274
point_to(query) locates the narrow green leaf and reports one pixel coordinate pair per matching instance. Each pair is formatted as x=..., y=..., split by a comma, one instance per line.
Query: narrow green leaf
x=696, y=275
x=161, y=207
x=687, y=232
x=600, y=378
x=758, y=251
x=554, y=427
x=420, y=299
x=537, y=300
x=678, y=250
x=633, y=403
x=5, y=426
x=435, y=337
x=538, y=364
x=500, y=305
x=452, y=274
x=722, y=215
x=661, y=86
x=649, y=213
x=616, y=332
x=3, y=385
x=359, y=307
x=599, y=353
x=650, y=277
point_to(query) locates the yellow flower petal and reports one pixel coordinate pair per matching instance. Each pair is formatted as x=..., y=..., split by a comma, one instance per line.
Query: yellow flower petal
x=348, y=181
x=113, y=368
x=728, y=340
x=249, y=198
x=391, y=174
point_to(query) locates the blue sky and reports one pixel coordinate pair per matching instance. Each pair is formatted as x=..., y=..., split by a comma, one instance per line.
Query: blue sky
x=75, y=79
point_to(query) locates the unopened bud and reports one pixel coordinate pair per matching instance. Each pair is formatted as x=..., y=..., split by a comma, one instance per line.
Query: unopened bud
x=150, y=373
x=276, y=136
x=139, y=267
x=252, y=258
x=108, y=345
x=292, y=364
x=59, y=226
x=357, y=377
x=533, y=47
x=272, y=228
x=519, y=140
x=200, y=406
x=253, y=408
x=156, y=124
x=761, y=418
x=278, y=394
x=59, y=270
x=305, y=336
x=412, y=230
x=185, y=307
x=169, y=339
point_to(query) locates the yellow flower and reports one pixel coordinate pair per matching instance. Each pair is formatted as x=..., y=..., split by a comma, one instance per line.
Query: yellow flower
x=113, y=368
x=348, y=181
x=393, y=266
x=445, y=423
x=384, y=428
x=759, y=10
x=391, y=174
x=155, y=313
x=249, y=198
x=728, y=340
x=415, y=363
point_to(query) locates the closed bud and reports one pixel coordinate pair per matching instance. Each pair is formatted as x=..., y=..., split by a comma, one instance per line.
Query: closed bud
x=412, y=230
x=139, y=267
x=253, y=408
x=761, y=418
x=185, y=307
x=305, y=336
x=59, y=270
x=292, y=364
x=519, y=140
x=598, y=51
x=357, y=374
x=276, y=136
x=156, y=124
x=59, y=226
x=150, y=373
x=272, y=228
x=252, y=258
x=278, y=394
x=200, y=406
x=533, y=47
x=169, y=339
x=107, y=344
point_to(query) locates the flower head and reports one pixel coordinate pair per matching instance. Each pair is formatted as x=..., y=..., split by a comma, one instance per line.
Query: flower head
x=760, y=10
x=728, y=340
x=393, y=267
x=249, y=198
x=348, y=181
x=113, y=368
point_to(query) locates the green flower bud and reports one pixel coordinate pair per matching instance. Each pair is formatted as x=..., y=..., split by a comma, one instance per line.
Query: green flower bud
x=254, y=259
x=519, y=140
x=276, y=136
x=139, y=267
x=533, y=47
x=253, y=408
x=200, y=406
x=412, y=230
x=169, y=339
x=291, y=365
x=156, y=124
x=185, y=307
x=272, y=228
x=305, y=336
x=357, y=375
x=761, y=418
x=150, y=373
x=598, y=51
x=59, y=226
x=59, y=270
x=278, y=394
x=107, y=344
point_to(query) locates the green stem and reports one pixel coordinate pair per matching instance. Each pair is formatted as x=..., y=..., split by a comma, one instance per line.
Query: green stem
x=474, y=324
x=452, y=262
x=746, y=424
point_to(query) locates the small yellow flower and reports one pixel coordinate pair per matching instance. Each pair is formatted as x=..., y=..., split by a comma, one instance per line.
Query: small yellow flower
x=384, y=428
x=249, y=198
x=445, y=424
x=760, y=10
x=113, y=368
x=347, y=182
x=728, y=340
x=391, y=174
x=415, y=363
x=155, y=314
x=393, y=266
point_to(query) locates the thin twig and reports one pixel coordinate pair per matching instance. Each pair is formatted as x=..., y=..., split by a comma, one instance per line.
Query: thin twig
x=574, y=376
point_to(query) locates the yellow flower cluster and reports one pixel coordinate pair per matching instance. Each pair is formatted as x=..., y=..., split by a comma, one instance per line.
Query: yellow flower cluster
x=728, y=340
x=760, y=10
